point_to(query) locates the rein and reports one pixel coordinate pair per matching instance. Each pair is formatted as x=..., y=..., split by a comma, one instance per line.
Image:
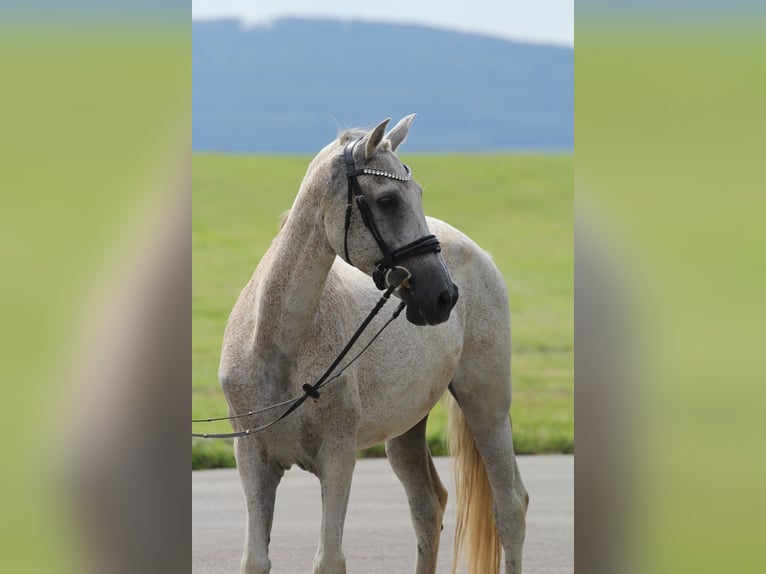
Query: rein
x=313, y=389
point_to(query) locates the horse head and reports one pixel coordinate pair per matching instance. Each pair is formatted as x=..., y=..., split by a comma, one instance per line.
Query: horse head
x=375, y=221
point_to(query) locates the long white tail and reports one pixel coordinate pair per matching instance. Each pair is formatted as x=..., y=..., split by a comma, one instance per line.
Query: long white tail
x=477, y=542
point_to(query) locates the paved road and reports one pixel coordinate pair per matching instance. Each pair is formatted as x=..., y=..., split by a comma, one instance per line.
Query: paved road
x=378, y=538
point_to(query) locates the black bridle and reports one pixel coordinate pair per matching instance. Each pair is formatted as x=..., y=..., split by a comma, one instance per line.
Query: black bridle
x=392, y=259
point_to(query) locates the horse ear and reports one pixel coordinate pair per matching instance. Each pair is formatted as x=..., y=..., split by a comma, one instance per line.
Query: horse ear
x=373, y=138
x=399, y=132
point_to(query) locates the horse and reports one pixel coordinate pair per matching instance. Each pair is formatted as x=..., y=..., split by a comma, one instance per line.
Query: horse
x=309, y=292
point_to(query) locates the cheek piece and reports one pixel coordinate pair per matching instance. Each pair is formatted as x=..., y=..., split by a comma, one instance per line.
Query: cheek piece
x=388, y=270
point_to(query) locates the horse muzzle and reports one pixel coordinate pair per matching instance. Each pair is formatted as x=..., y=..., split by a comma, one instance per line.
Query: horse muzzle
x=430, y=309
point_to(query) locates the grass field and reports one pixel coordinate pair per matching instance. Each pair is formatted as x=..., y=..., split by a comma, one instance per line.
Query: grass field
x=517, y=207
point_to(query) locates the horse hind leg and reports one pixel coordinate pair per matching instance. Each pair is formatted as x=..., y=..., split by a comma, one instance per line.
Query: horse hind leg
x=259, y=482
x=487, y=477
x=411, y=460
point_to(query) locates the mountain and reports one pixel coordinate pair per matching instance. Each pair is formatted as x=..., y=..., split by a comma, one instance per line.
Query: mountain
x=289, y=87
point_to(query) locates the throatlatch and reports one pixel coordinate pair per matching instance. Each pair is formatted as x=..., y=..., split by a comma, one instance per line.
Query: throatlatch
x=392, y=259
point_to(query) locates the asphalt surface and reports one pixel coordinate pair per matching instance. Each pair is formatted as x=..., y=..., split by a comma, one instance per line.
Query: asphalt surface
x=378, y=538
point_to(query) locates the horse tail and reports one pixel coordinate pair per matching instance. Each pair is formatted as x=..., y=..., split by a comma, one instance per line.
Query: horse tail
x=477, y=541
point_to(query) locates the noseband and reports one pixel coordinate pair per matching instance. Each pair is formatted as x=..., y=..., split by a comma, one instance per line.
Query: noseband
x=392, y=259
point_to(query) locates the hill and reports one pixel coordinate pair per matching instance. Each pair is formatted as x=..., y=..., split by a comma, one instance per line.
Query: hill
x=288, y=87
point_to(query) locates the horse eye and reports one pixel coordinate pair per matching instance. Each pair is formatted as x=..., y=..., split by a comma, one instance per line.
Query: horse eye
x=388, y=202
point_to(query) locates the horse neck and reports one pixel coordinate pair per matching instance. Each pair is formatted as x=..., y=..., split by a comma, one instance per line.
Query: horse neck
x=299, y=262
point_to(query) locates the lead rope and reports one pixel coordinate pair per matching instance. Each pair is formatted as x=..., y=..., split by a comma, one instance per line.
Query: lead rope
x=313, y=390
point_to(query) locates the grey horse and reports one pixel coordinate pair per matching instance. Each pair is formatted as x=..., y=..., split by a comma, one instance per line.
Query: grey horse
x=299, y=309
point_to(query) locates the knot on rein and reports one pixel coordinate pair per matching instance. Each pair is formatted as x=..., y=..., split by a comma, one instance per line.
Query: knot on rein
x=313, y=390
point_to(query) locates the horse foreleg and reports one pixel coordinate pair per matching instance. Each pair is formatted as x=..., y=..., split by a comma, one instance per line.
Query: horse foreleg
x=411, y=460
x=335, y=472
x=259, y=481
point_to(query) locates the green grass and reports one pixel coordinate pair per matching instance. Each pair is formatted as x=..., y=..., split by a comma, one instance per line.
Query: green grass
x=517, y=207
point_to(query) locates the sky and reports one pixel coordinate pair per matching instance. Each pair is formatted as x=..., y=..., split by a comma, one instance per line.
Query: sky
x=539, y=21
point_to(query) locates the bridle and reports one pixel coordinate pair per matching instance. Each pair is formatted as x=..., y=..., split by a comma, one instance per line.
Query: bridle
x=383, y=276
x=392, y=259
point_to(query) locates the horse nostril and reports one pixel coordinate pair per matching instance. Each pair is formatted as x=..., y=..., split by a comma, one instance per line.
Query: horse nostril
x=445, y=301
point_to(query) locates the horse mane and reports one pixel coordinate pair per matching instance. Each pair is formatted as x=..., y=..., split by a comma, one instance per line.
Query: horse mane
x=283, y=218
x=355, y=133
x=351, y=134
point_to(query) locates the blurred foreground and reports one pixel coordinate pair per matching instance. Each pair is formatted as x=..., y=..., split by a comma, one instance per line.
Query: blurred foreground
x=669, y=284
x=95, y=296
